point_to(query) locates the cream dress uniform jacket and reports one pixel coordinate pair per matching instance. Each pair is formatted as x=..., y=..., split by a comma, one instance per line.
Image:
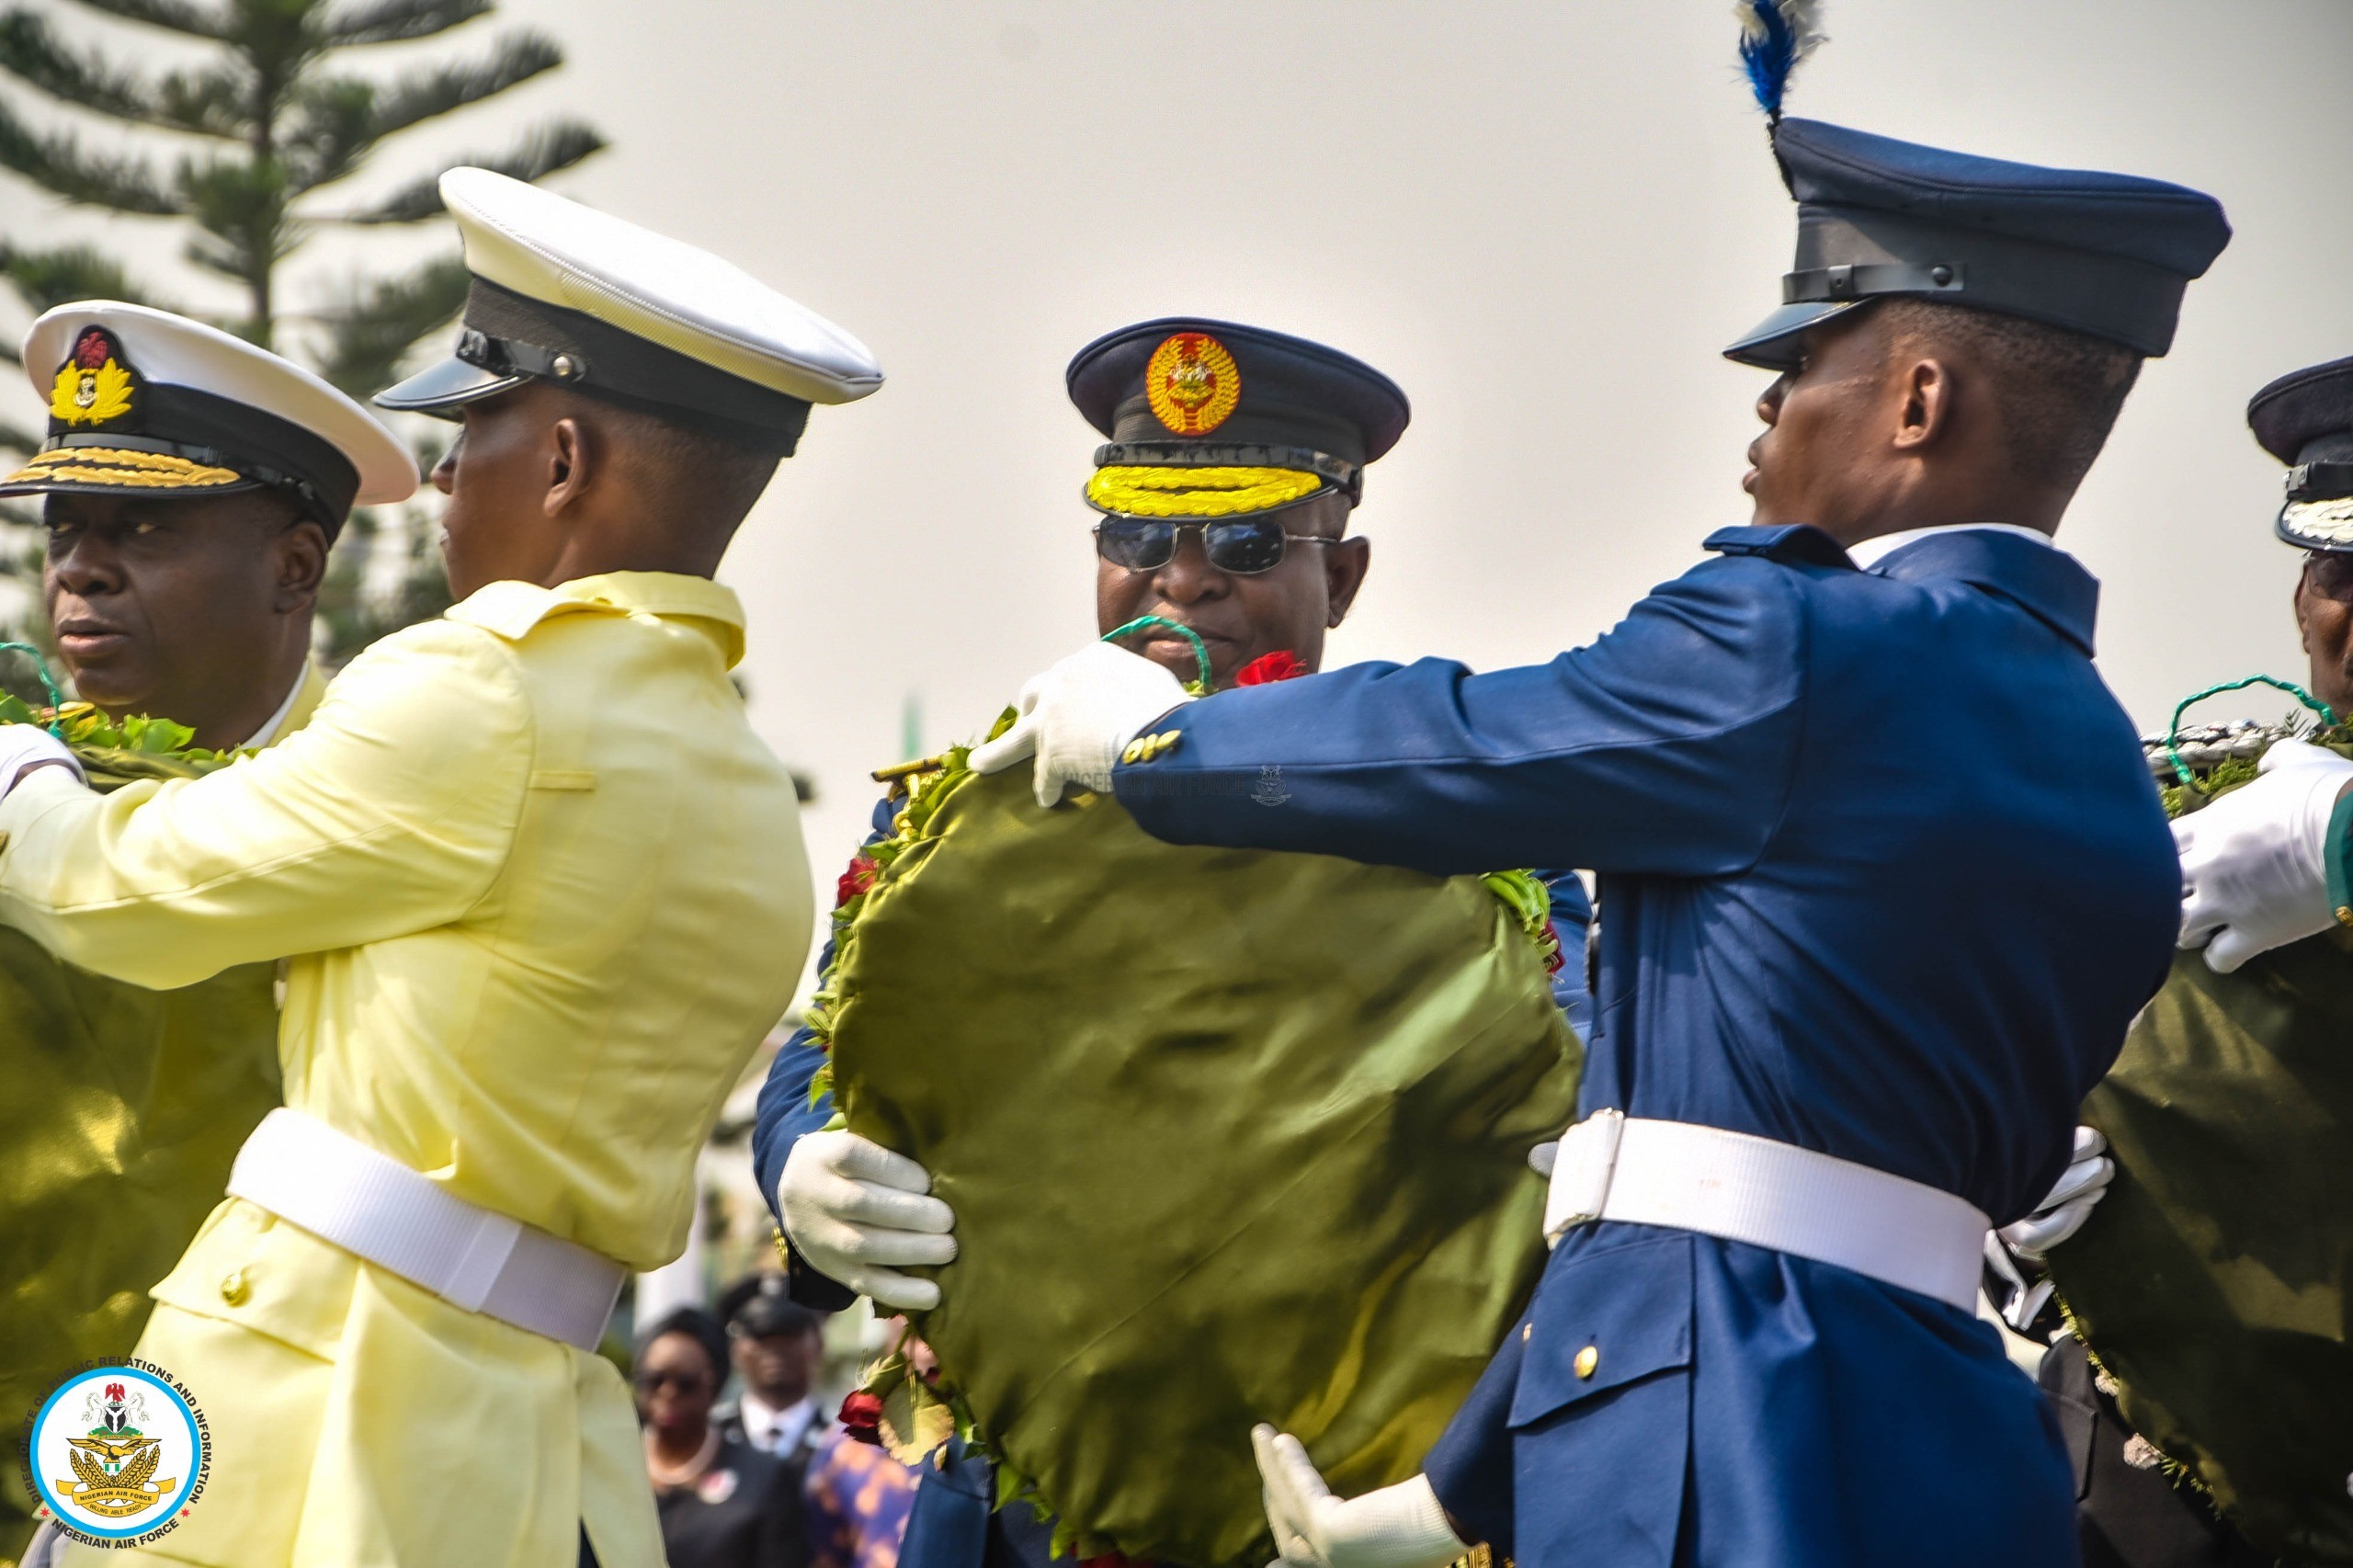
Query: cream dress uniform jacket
x=545, y=891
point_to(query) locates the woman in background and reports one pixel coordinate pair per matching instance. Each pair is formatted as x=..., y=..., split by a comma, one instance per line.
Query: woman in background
x=723, y=1504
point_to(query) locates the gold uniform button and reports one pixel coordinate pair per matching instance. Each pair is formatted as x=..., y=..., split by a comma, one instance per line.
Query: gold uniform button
x=236, y=1289
x=1527, y=1332
x=1134, y=752
x=1169, y=741
x=1588, y=1359
x=2344, y=915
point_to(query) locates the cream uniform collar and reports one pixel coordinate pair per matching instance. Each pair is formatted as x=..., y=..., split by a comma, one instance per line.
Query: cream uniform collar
x=510, y=610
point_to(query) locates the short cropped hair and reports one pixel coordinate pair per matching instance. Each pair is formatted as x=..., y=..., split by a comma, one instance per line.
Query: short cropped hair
x=2059, y=391
x=705, y=480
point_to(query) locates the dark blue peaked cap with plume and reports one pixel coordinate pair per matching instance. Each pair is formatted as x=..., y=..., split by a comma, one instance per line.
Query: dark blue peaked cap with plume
x=2101, y=254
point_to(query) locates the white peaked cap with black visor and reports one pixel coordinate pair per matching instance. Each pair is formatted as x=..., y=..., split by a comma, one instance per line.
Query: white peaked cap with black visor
x=141, y=402
x=564, y=293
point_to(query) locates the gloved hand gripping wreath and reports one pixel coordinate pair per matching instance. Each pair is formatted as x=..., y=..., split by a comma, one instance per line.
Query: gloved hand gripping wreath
x=2210, y=1283
x=1231, y=1137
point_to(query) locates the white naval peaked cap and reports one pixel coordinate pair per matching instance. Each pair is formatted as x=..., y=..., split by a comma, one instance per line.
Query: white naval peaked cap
x=143, y=400
x=567, y=293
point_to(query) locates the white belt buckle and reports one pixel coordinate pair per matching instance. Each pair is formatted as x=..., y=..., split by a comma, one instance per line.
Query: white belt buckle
x=1582, y=1172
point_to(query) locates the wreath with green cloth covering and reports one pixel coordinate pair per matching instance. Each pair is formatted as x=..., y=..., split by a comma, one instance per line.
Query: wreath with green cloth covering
x=1232, y=1136
x=2210, y=1284
x=125, y=1108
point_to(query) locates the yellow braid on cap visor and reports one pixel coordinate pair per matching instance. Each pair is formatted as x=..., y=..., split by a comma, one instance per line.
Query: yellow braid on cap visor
x=1198, y=492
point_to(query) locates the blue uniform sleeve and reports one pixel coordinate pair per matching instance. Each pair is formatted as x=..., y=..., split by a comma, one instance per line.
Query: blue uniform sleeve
x=784, y=1115
x=1666, y=747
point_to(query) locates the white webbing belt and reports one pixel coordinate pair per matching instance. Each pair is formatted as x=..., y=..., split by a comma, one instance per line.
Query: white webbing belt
x=1768, y=1194
x=370, y=1204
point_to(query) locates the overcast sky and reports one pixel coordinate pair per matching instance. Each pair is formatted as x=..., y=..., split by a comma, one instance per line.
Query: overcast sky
x=1543, y=220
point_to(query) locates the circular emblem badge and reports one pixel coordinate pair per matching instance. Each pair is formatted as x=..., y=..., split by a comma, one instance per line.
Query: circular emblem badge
x=1192, y=383
x=119, y=1454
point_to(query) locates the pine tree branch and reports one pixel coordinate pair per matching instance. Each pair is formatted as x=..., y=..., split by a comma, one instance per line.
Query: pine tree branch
x=557, y=145
x=208, y=103
x=44, y=279
x=58, y=164
x=514, y=60
x=369, y=335
x=329, y=129
x=394, y=21
x=244, y=228
x=173, y=16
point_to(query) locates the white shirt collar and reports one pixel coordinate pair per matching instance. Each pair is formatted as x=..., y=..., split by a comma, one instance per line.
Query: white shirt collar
x=268, y=732
x=773, y=1430
x=1871, y=552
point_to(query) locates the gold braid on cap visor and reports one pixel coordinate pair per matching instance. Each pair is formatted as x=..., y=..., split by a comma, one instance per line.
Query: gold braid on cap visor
x=1198, y=492
x=117, y=465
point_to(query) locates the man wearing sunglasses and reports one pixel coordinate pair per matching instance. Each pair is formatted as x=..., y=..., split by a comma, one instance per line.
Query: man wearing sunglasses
x=1233, y=459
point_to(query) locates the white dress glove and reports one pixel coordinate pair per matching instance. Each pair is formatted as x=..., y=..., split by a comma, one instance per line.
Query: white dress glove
x=857, y=1212
x=2061, y=1214
x=2255, y=863
x=1078, y=716
x=1397, y=1527
x=22, y=745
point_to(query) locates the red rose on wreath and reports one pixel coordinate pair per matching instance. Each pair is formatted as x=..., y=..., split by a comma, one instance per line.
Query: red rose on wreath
x=860, y=876
x=862, y=1417
x=1559, y=958
x=1281, y=664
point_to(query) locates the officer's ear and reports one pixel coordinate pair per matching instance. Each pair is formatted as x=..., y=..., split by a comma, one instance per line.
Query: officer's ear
x=1926, y=395
x=575, y=453
x=1345, y=560
x=301, y=559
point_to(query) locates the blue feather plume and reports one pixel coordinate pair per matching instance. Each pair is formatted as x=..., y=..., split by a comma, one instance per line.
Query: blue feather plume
x=1775, y=35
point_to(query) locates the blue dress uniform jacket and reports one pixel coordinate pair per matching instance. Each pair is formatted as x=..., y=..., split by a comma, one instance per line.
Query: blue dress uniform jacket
x=1884, y=878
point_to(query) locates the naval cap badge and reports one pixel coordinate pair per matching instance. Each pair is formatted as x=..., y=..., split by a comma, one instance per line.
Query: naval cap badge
x=96, y=383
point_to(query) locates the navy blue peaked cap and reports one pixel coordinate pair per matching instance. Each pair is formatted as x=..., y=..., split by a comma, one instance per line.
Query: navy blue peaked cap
x=1277, y=401
x=2107, y=254
x=2305, y=419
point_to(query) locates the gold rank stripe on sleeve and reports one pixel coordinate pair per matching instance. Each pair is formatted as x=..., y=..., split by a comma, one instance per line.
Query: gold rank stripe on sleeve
x=122, y=466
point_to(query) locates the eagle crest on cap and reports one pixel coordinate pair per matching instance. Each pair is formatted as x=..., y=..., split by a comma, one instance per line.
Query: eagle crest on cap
x=1192, y=383
x=93, y=385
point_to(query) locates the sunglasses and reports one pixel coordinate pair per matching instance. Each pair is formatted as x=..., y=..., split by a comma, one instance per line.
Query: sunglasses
x=2329, y=575
x=1242, y=546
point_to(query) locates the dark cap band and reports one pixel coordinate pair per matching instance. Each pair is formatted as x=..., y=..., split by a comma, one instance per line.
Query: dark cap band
x=510, y=334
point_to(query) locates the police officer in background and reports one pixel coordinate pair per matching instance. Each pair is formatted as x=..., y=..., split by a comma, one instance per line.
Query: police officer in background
x=777, y=1346
x=1865, y=953
x=1233, y=458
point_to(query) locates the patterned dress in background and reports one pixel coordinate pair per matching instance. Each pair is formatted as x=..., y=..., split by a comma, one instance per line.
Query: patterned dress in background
x=858, y=1499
